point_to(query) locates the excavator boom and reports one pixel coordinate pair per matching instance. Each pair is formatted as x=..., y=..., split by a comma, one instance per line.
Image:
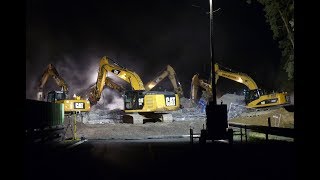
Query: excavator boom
x=127, y=75
x=51, y=71
x=94, y=93
x=171, y=74
x=195, y=84
x=235, y=76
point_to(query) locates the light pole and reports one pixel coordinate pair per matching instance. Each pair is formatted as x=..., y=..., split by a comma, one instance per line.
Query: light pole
x=213, y=85
x=217, y=120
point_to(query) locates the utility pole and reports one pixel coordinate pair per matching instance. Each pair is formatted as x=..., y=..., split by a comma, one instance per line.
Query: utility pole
x=217, y=118
x=213, y=85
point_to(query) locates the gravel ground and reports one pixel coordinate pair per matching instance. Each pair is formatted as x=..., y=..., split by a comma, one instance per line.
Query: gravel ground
x=107, y=124
x=136, y=131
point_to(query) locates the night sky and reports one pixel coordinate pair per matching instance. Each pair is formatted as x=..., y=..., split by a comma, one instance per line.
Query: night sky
x=145, y=36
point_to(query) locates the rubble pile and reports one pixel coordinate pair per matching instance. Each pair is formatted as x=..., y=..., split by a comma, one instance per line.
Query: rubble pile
x=190, y=111
x=109, y=109
x=100, y=116
x=235, y=110
x=186, y=114
x=187, y=103
x=231, y=98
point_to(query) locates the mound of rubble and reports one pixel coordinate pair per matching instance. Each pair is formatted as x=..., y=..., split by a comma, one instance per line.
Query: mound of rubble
x=231, y=98
x=103, y=112
x=105, y=122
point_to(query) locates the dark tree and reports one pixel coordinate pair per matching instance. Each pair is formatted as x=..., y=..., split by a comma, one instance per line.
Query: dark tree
x=280, y=16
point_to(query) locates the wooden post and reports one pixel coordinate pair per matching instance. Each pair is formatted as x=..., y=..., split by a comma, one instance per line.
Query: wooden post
x=245, y=131
x=241, y=134
x=75, y=127
x=191, y=135
x=267, y=132
x=230, y=135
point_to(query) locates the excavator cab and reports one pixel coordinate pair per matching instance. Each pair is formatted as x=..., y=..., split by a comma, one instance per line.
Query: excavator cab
x=70, y=105
x=133, y=100
x=251, y=95
x=54, y=96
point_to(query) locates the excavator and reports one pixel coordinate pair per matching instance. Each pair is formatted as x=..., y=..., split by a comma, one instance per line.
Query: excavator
x=196, y=83
x=171, y=74
x=76, y=105
x=254, y=97
x=139, y=104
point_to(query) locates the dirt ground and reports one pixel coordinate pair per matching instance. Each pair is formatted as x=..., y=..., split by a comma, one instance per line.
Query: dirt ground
x=135, y=131
x=279, y=118
x=104, y=124
x=176, y=128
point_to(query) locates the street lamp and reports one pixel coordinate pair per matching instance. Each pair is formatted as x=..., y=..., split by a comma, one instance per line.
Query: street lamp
x=217, y=120
x=213, y=84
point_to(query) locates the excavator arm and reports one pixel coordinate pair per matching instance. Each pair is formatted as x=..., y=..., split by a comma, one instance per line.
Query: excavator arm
x=171, y=74
x=127, y=75
x=94, y=94
x=51, y=71
x=195, y=84
x=235, y=76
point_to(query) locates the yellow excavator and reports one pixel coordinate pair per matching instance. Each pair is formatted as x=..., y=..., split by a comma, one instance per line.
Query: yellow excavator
x=254, y=97
x=195, y=84
x=139, y=104
x=171, y=74
x=76, y=105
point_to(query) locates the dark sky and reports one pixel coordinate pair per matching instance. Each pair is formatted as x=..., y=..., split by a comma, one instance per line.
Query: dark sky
x=145, y=36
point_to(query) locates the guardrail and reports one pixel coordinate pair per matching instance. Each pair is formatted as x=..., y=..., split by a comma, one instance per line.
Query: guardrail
x=267, y=130
x=285, y=132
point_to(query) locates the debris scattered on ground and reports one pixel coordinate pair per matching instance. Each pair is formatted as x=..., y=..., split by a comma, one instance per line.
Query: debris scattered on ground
x=105, y=122
x=231, y=98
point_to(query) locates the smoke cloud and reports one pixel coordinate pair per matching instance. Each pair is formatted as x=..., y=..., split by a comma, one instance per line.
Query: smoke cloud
x=143, y=37
x=110, y=100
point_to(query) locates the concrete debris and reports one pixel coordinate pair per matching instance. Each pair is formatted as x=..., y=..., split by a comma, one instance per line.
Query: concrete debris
x=235, y=110
x=100, y=116
x=187, y=114
x=108, y=110
x=231, y=98
x=186, y=103
x=190, y=111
